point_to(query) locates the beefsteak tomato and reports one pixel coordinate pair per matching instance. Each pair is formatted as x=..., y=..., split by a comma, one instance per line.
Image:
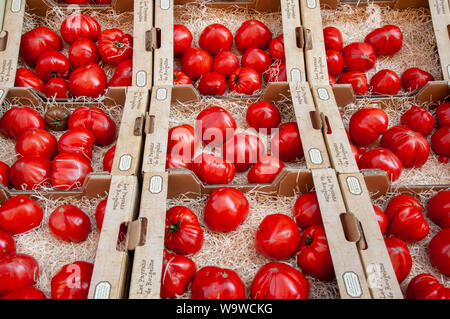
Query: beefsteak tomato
x=177, y=273
x=265, y=170
x=211, y=169
x=114, y=46
x=286, y=144
x=37, y=41
x=17, y=120
x=37, y=142
x=216, y=38
x=30, y=172
x=80, y=26
x=244, y=80
x=400, y=257
x=367, y=124
x=384, y=159
x=212, y=282
x=439, y=209
x=69, y=223
x=72, y=281
x=17, y=271
x=419, y=120
x=243, y=150
x=95, y=120
x=183, y=234
x=439, y=251
x=69, y=170
x=20, y=214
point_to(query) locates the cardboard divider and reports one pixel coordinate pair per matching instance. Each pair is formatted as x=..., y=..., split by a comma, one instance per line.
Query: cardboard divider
x=440, y=11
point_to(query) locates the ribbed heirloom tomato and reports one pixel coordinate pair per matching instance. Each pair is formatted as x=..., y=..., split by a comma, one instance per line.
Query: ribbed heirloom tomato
x=212, y=83
x=216, y=38
x=180, y=78
x=439, y=209
x=20, y=214
x=69, y=170
x=333, y=39
x=243, y=150
x=182, y=39
x=286, y=144
x=385, y=82
x=95, y=120
x=211, y=169
x=400, y=257
x=257, y=59
x=415, y=78
x=72, y=281
x=30, y=172
x=123, y=74
x=77, y=141
x=244, y=80
x=83, y=51
x=177, y=273
x=17, y=271
x=182, y=141
x=443, y=114
x=37, y=41
x=37, y=142
x=307, y=211
x=88, y=80
x=177, y=161
x=276, y=48
x=26, y=78
x=80, y=26
x=183, y=234
x=212, y=282
x=100, y=213
x=440, y=141
x=419, y=120
x=57, y=88
x=108, y=159
x=265, y=170
x=358, y=56
x=7, y=244
x=439, y=251
x=52, y=64
x=196, y=62
x=114, y=46
x=214, y=125
x=69, y=223
x=263, y=115
x=28, y=292
x=367, y=124
x=17, y=120
x=384, y=159
x=335, y=62
x=357, y=79
x=426, y=286
x=386, y=40
x=225, y=63
x=253, y=34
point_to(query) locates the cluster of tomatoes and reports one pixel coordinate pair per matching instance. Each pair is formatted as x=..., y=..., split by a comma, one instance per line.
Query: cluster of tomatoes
x=402, y=145
x=403, y=221
x=66, y=162
x=277, y=238
x=78, y=74
x=215, y=126
x=359, y=57
x=19, y=272
x=252, y=39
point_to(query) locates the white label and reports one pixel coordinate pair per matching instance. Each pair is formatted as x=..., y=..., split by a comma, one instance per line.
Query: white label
x=102, y=290
x=156, y=184
x=323, y=94
x=315, y=156
x=16, y=5
x=161, y=94
x=141, y=78
x=296, y=75
x=165, y=4
x=352, y=285
x=311, y=4
x=125, y=162
x=354, y=186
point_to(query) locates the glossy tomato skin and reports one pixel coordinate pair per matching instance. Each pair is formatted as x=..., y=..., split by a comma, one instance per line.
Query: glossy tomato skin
x=355, y=152
x=20, y=214
x=17, y=120
x=383, y=159
x=177, y=161
x=332, y=80
x=307, y=211
x=215, y=125
x=426, y=286
x=177, y=273
x=439, y=251
x=265, y=170
x=69, y=223
x=276, y=73
x=263, y=115
x=439, y=209
x=30, y=172
x=314, y=256
x=180, y=78
x=108, y=159
x=52, y=64
x=69, y=171
x=17, y=271
x=333, y=39
x=182, y=39
x=27, y=78
x=83, y=51
x=225, y=63
x=7, y=244
x=443, y=114
x=211, y=169
x=72, y=281
x=37, y=41
x=243, y=150
x=367, y=124
x=88, y=80
x=257, y=59
x=253, y=34
x=357, y=79
x=100, y=213
x=95, y=120
x=183, y=234
x=28, y=292
x=56, y=88
x=123, y=75
x=114, y=46
x=415, y=78
x=77, y=141
x=226, y=209
x=4, y=174
x=440, y=141
x=386, y=40
x=381, y=219
x=244, y=80
x=385, y=82
x=212, y=83
x=182, y=140
x=286, y=144
x=358, y=56
x=37, y=142
x=406, y=220
x=212, y=282
x=277, y=280
x=216, y=38
x=80, y=26
x=419, y=120
x=335, y=62
x=276, y=48
x=277, y=237
x=196, y=62
x=400, y=257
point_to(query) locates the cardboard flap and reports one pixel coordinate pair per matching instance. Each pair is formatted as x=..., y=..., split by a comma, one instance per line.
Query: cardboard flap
x=440, y=14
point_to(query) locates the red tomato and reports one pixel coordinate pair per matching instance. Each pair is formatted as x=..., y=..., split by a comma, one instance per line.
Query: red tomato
x=183, y=234
x=212, y=83
x=17, y=120
x=88, y=80
x=7, y=244
x=177, y=161
x=314, y=256
x=367, y=124
x=385, y=82
x=20, y=214
x=216, y=38
x=443, y=114
x=307, y=211
x=439, y=251
x=180, y=78
x=182, y=39
x=243, y=150
x=100, y=213
x=56, y=88
x=381, y=219
x=37, y=142
x=69, y=223
x=406, y=219
x=358, y=56
x=279, y=281
x=83, y=51
x=17, y=271
x=332, y=81
x=37, y=41
x=114, y=46
x=419, y=120
x=196, y=62
x=72, y=281
x=217, y=283
x=226, y=209
x=95, y=120
x=182, y=141
x=333, y=39
x=415, y=78
x=30, y=172
x=263, y=115
x=123, y=74
x=276, y=73
x=426, y=286
x=265, y=170
x=211, y=169
x=286, y=144
x=440, y=141
x=80, y=26
x=28, y=292
x=400, y=257
x=77, y=1
x=335, y=62
x=4, y=174
x=276, y=48
x=357, y=79
x=52, y=64
x=225, y=63
x=244, y=80
x=215, y=125
x=439, y=209
x=277, y=237
x=69, y=171
x=26, y=78
x=253, y=34
x=77, y=141
x=177, y=273
x=386, y=40
x=108, y=159
x=384, y=159
x=355, y=152
x=257, y=59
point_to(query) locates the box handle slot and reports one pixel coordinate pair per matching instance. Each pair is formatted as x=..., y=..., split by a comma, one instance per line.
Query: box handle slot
x=315, y=120
x=3, y=40
x=150, y=124
x=351, y=226
x=138, y=126
x=299, y=37
x=155, y=38
x=308, y=40
x=137, y=233
x=121, y=243
x=148, y=40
